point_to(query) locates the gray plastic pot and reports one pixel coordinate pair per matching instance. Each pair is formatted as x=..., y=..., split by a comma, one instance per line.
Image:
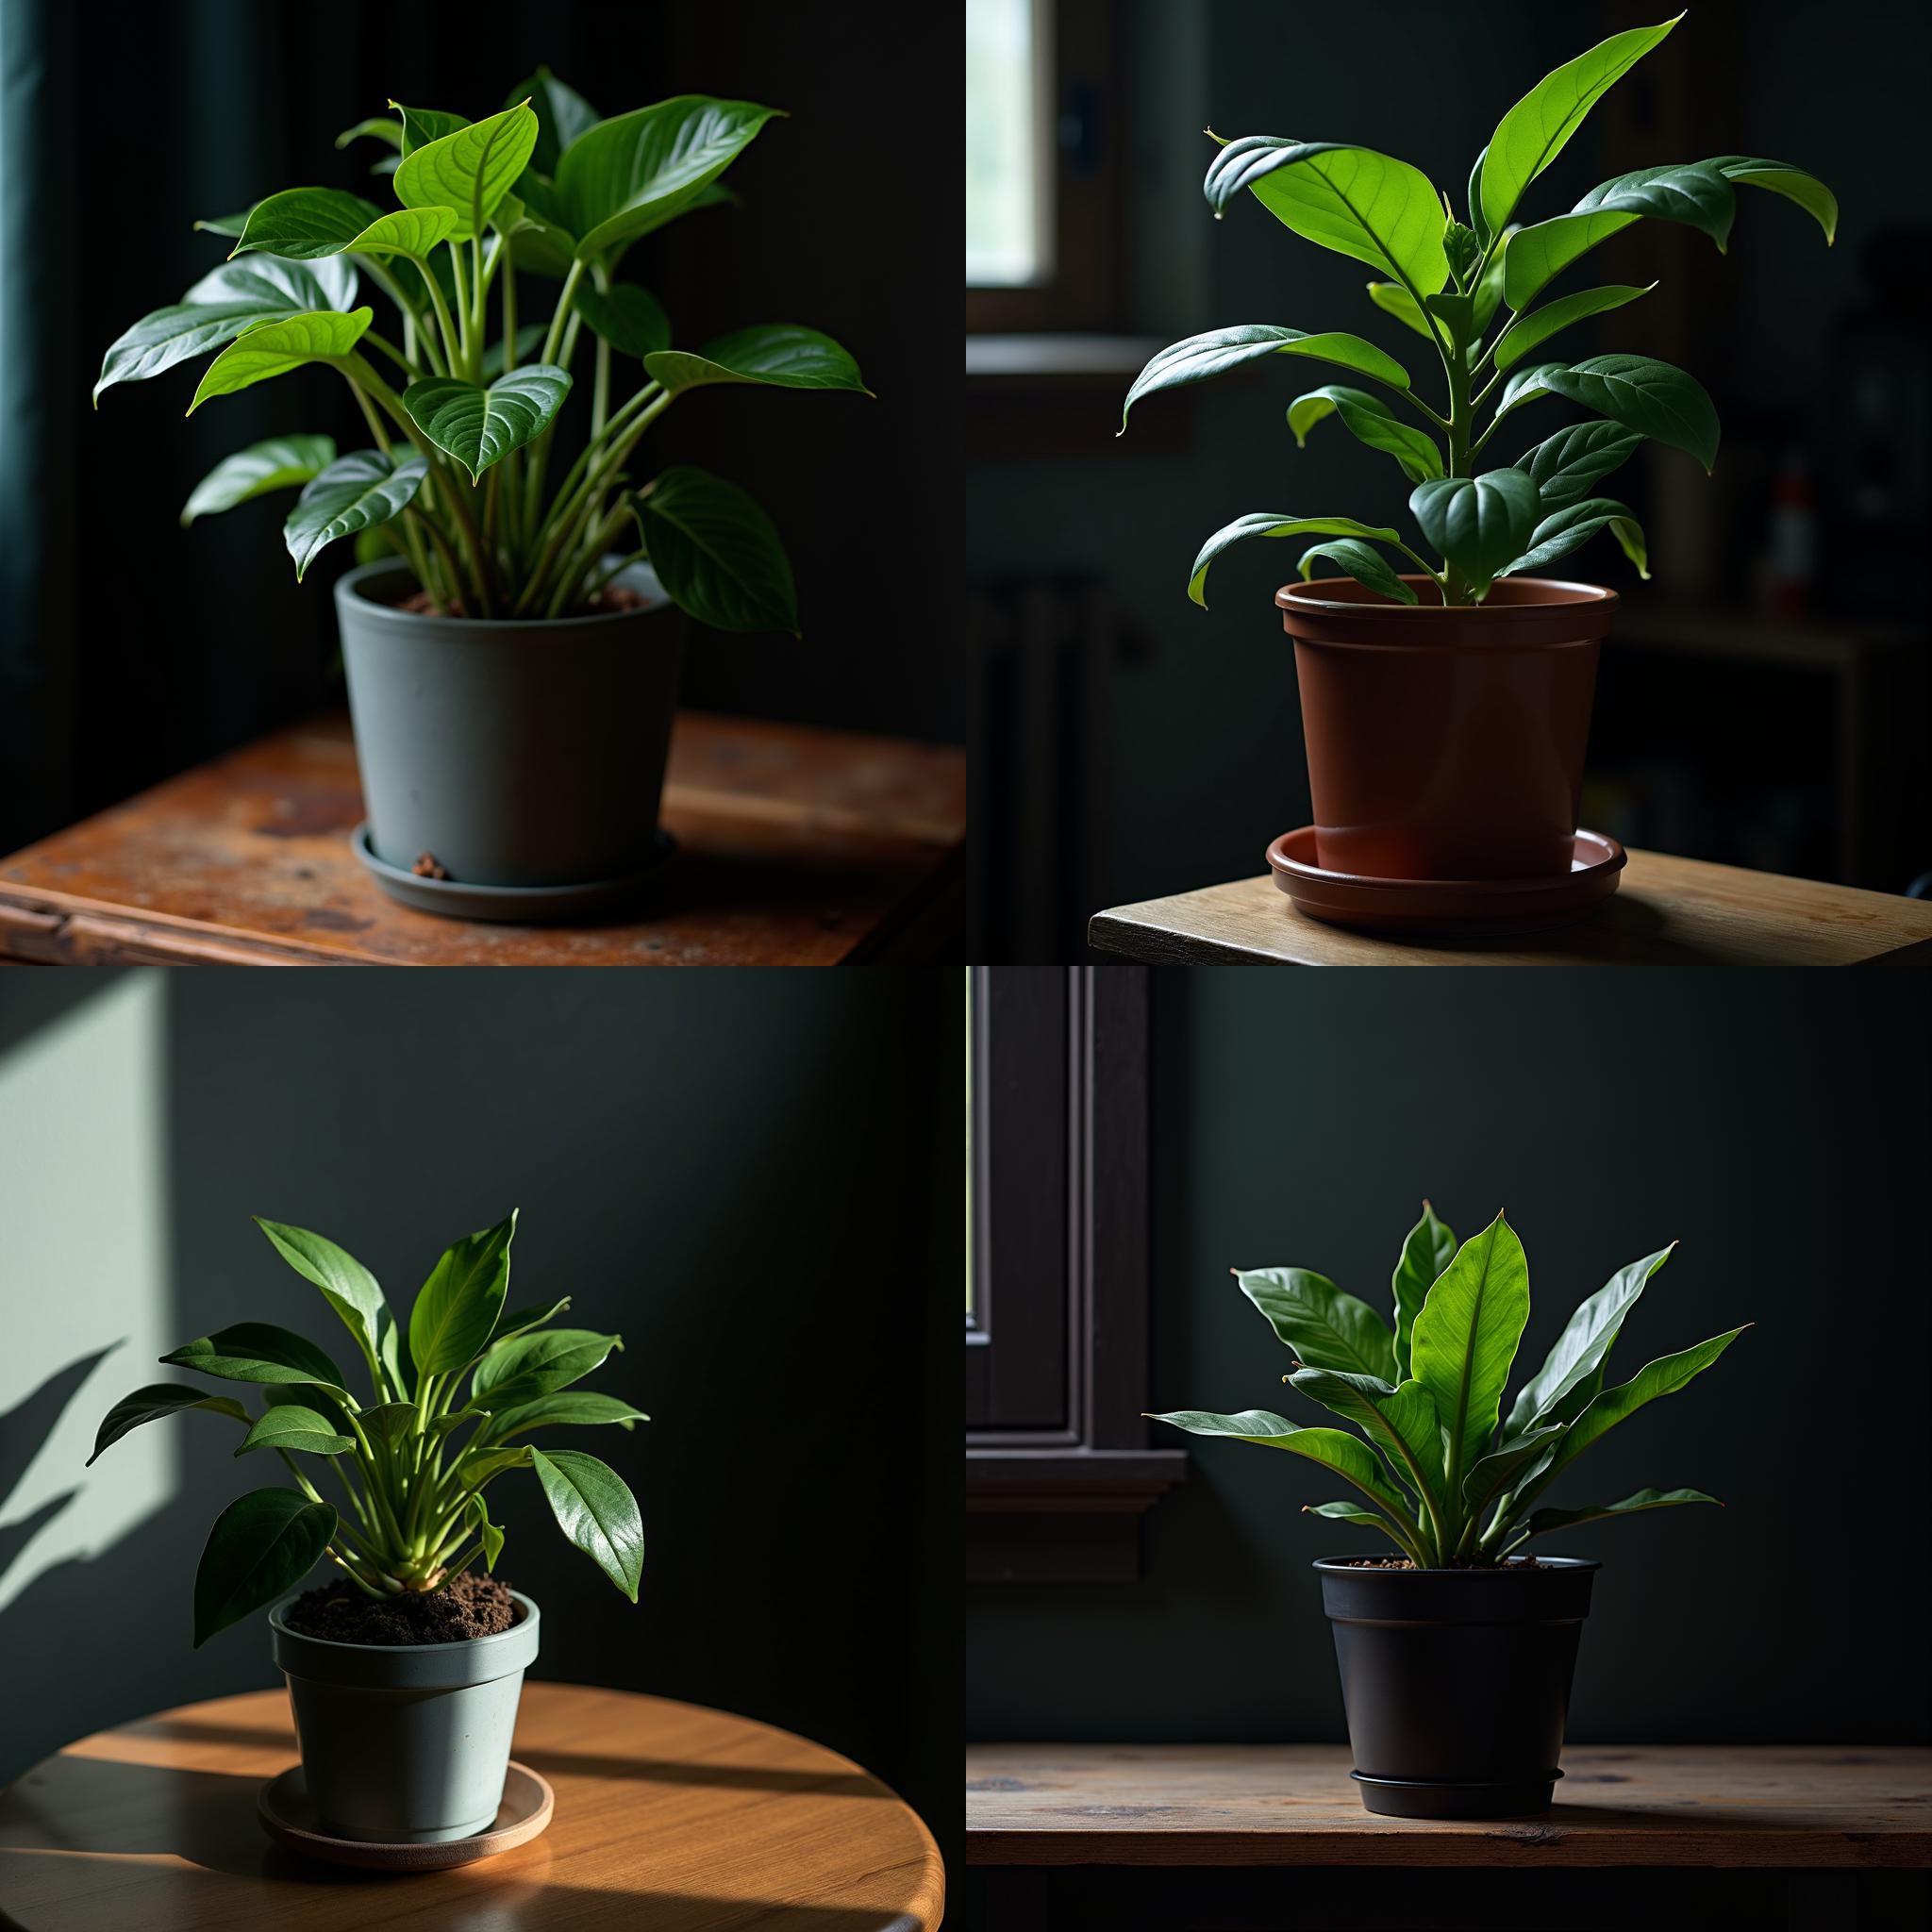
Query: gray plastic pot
x=515, y=752
x=406, y=1743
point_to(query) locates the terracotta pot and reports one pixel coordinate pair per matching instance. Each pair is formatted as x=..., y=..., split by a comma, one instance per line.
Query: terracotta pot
x=1447, y=742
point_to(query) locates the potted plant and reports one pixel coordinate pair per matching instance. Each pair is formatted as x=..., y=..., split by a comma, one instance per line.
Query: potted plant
x=404, y=1672
x=1456, y=1651
x=511, y=677
x=1446, y=706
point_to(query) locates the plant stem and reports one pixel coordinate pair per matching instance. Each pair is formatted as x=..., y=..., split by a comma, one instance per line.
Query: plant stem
x=443, y=319
x=554, y=336
x=380, y=276
x=624, y=564
x=389, y=349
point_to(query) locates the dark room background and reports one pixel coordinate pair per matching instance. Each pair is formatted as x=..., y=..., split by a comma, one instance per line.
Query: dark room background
x=754, y=1177
x=1778, y=1131
x=131, y=648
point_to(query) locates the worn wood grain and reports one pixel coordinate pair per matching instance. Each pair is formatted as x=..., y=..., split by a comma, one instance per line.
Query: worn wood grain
x=1235, y=1805
x=668, y=1817
x=799, y=847
x=1666, y=912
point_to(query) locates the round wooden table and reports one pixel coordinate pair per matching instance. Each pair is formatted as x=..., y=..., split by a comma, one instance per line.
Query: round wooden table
x=670, y=1818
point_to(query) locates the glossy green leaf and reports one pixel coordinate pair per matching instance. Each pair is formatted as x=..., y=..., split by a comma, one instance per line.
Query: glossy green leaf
x=563, y=116
x=261, y=1546
x=229, y=226
x=1465, y=248
x=1535, y=131
x=458, y=1307
x=378, y=127
x=303, y=224
x=291, y=1426
x=274, y=349
x=1488, y=292
x=489, y=1464
x=1347, y=1512
x=1527, y=331
x=1370, y=421
x=257, y=1352
x=346, y=1286
x=1466, y=1336
x=1479, y=524
x=1664, y=1377
x=597, y=1511
x=1585, y=1343
x=1544, y=1521
x=540, y=238
x=1219, y=350
x=1643, y=393
x=491, y=1537
x=1525, y=386
x=714, y=550
x=1571, y=527
x=421, y=125
x=1478, y=221
x=364, y=487
x=781, y=354
x=480, y=427
x=1401, y=1422
x=537, y=1364
x=1364, y=565
x=1370, y=206
x=1325, y=1328
x=629, y=318
x=1492, y=1474
x=566, y=1408
x=521, y=1320
x=1457, y=315
x=150, y=1404
x=1264, y=524
x=1565, y=465
x=632, y=173
x=392, y=1421
x=1393, y=299
x=1780, y=178
x=332, y=1404
x=282, y=463
x=1426, y=1250
x=469, y=171
x=1697, y=194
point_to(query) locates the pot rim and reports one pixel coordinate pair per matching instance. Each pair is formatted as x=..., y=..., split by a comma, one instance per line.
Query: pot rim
x=349, y=588
x=1352, y=1566
x=525, y=1622
x=1305, y=597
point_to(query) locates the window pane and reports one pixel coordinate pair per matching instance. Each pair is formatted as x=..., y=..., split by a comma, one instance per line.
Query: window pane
x=1009, y=240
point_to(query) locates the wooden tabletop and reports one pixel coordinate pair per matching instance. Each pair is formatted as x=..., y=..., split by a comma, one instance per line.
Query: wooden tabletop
x=798, y=847
x=669, y=1817
x=1236, y=1805
x=1666, y=912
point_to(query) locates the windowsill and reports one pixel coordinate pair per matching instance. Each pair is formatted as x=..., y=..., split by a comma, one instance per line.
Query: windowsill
x=1062, y=1515
x=1029, y=360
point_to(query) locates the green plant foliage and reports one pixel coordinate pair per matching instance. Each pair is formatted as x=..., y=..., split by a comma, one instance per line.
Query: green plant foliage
x=1467, y=282
x=1451, y=1480
x=411, y=1459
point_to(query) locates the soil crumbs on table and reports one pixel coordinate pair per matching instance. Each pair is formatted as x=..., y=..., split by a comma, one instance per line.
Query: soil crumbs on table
x=468, y=1606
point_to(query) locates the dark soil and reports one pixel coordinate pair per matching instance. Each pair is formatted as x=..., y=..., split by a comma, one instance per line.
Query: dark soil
x=616, y=598
x=468, y=1606
x=1453, y=1563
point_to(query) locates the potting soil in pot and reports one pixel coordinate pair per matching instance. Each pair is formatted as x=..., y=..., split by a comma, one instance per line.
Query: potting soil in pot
x=468, y=1606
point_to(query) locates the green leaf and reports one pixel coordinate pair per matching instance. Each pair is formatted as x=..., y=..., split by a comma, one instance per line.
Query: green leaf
x=520, y=1321
x=378, y=127
x=274, y=349
x=1527, y=331
x=714, y=550
x=1697, y=194
x=627, y=175
x=1351, y=199
x=346, y=1286
x=778, y=353
x=1544, y=1521
x=1457, y=313
x=1534, y=132
x=291, y=1426
x=262, y=1545
x=563, y=117
x=1569, y=528
x=1464, y=249
x=1525, y=386
x=1201, y=357
x=393, y=1421
x=540, y=241
x=537, y=1364
x=1664, y=1377
x=1401, y=1422
x=480, y=427
x=222, y=305
x=228, y=226
x=257, y=1352
x=150, y=1404
x=1643, y=393
x=491, y=1463
x=491, y=1537
x=1325, y=1328
x=1494, y=1472
x=1780, y=178
x=1478, y=221
x=355, y=492
x=1393, y=299
x=280, y=463
x=1369, y=421
x=568, y=1407
x=1426, y=1250
x=1565, y=465
x=629, y=318
x=303, y=223
x=1347, y=1512
x=1585, y=1343
x=1488, y=292
x=421, y=125
x=1478, y=522
x=1263, y=524
x=1363, y=564
x=1465, y=1338
x=597, y=1511
x=458, y=1307
x=469, y=171
x=332, y=1404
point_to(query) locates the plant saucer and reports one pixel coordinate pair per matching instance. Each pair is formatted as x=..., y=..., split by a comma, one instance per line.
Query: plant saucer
x=511, y=905
x=288, y=1815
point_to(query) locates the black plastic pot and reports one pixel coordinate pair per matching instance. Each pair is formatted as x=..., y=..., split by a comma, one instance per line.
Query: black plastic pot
x=1456, y=1682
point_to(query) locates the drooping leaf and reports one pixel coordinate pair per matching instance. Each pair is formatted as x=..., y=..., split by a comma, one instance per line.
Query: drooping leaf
x=1219, y=350
x=1780, y=178
x=150, y=1404
x=1643, y=394
x=257, y=1352
x=629, y=318
x=714, y=550
x=1697, y=194
x=1571, y=527
x=1527, y=331
x=491, y=1537
x=537, y=1364
x=1544, y=1521
x=1565, y=465
x=566, y=1408
x=274, y=349
x=1401, y=1422
x=346, y=1286
x=596, y=1510
x=1427, y=1249
x=1325, y=1328
x=1479, y=522
x=282, y=463
x=1265, y=524
x=291, y=1426
x=261, y=1545
x=563, y=116
x=1370, y=206
x=365, y=487
x=469, y=171
x=1370, y=421
x=458, y=1307
x=480, y=427
x=1393, y=299
x=1364, y=565
x=781, y=354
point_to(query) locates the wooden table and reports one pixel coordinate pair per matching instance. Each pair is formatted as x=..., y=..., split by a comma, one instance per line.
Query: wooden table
x=669, y=1818
x=1666, y=912
x=799, y=847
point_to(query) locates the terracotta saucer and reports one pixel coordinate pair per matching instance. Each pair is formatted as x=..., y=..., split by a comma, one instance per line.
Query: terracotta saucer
x=288, y=1816
x=1453, y=908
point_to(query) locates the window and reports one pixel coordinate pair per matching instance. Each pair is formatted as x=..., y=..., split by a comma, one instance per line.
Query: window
x=1010, y=142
